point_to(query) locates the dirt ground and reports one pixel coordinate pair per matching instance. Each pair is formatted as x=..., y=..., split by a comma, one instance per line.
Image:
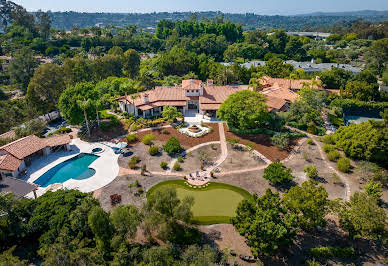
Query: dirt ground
x=334, y=187
x=262, y=144
x=192, y=160
x=184, y=140
x=141, y=150
x=120, y=186
x=239, y=159
x=113, y=132
x=225, y=238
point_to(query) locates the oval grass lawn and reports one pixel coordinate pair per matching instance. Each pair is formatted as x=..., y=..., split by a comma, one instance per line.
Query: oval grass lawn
x=214, y=204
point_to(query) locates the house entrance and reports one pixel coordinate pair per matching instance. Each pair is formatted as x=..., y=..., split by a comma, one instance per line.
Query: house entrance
x=193, y=105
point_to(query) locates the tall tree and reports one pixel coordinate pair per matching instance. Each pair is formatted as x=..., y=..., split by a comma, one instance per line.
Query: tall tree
x=45, y=87
x=132, y=63
x=309, y=202
x=265, y=224
x=244, y=110
x=362, y=217
x=22, y=67
x=43, y=23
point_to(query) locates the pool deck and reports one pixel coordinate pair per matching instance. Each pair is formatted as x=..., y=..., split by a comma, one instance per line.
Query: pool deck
x=106, y=167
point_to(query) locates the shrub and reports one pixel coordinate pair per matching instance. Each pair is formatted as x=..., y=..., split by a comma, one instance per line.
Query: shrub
x=172, y=146
x=250, y=146
x=233, y=142
x=153, y=150
x=332, y=252
x=310, y=142
x=343, y=165
x=180, y=160
x=137, y=183
x=131, y=138
x=328, y=139
x=163, y=165
x=133, y=162
x=364, y=141
x=327, y=148
x=177, y=167
x=312, y=128
x=333, y=155
x=143, y=169
x=147, y=139
x=311, y=171
x=373, y=189
x=276, y=173
x=281, y=141
x=115, y=199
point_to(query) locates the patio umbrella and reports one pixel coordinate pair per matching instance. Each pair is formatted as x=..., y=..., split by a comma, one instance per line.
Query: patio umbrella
x=121, y=145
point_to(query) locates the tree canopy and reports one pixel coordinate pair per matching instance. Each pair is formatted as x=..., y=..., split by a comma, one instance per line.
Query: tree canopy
x=244, y=110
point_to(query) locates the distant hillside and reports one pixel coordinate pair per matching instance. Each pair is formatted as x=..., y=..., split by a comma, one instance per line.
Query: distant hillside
x=66, y=20
x=359, y=14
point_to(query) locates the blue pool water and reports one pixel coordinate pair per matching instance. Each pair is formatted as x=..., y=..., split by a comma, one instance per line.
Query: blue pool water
x=74, y=168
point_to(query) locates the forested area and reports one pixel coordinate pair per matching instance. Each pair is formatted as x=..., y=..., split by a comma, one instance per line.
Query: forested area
x=250, y=21
x=178, y=50
x=90, y=67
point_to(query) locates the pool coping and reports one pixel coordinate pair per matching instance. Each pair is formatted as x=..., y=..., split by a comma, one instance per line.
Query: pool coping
x=106, y=167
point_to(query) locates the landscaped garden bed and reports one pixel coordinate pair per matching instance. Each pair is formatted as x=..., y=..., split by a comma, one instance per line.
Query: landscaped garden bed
x=213, y=204
x=187, y=142
x=262, y=143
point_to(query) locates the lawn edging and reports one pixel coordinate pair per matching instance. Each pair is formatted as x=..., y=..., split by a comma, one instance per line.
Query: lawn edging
x=204, y=220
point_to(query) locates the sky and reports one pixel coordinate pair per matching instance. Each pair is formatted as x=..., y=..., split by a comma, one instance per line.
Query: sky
x=262, y=7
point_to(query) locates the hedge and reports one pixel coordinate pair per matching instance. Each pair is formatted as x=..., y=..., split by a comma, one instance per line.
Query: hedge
x=332, y=252
x=351, y=103
x=265, y=131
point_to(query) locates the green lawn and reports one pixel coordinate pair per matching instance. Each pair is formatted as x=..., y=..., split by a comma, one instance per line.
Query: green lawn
x=214, y=204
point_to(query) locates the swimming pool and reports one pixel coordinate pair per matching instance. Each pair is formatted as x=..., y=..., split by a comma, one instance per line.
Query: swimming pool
x=74, y=168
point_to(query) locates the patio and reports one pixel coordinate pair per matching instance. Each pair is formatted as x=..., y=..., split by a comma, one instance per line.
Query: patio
x=106, y=167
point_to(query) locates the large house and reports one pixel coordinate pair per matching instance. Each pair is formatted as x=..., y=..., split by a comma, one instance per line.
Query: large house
x=17, y=155
x=193, y=96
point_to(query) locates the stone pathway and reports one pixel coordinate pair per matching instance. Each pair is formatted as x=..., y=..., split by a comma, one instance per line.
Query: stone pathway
x=342, y=177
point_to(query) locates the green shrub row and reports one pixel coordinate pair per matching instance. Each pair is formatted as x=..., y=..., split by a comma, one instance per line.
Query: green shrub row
x=265, y=131
x=332, y=252
x=351, y=103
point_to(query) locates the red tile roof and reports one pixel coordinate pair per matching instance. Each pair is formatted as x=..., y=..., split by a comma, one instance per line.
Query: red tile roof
x=8, y=135
x=9, y=162
x=24, y=147
x=286, y=83
x=57, y=140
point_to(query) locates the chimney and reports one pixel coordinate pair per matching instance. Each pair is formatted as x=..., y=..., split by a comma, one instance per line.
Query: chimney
x=209, y=82
x=145, y=98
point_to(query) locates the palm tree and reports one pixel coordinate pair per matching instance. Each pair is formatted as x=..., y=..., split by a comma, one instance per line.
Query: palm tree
x=84, y=105
x=98, y=105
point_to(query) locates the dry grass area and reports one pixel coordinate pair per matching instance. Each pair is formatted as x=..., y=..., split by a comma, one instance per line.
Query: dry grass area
x=187, y=142
x=120, y=186
x=204, y=155
x=239, y=159
x=262, y=143
x=310, y=155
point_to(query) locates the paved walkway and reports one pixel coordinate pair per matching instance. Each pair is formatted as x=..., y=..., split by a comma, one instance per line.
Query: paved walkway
x=342, y=177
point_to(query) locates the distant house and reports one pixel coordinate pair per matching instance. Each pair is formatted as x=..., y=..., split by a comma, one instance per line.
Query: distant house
x=6, y=60
x=193, y=96
x=307, y=67
x=313, y=35
x=17, y=155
